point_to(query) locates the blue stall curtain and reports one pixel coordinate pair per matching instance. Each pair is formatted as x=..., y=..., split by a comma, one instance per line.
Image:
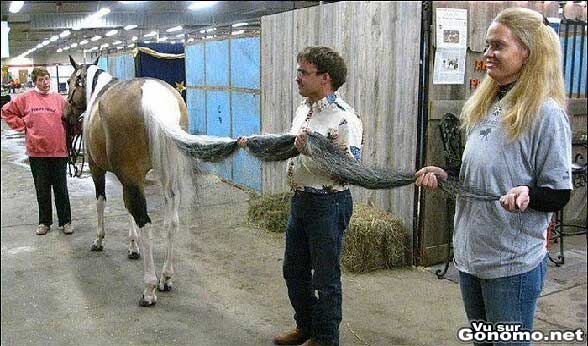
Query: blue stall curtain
x=165, y=61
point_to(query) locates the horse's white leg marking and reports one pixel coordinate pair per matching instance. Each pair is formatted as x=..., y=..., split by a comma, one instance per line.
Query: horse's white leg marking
x=149, y=278
x=173, y=222
x=133, y=239
x=97, y=245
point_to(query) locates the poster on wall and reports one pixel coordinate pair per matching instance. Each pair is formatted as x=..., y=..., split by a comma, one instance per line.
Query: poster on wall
x=451, y=42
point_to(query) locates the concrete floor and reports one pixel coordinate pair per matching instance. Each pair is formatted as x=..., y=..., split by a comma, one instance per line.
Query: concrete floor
x=228, y=285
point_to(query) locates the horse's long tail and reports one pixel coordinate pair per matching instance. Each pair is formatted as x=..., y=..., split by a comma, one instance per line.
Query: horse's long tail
x=175, y=154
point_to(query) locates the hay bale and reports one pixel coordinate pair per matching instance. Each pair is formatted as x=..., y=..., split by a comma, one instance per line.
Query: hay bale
x=374, y=240
x=270, y=211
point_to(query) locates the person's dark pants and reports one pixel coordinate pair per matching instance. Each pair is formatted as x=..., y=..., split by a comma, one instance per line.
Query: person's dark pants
x=51, y=172
x=314, y=238
x=511, y=299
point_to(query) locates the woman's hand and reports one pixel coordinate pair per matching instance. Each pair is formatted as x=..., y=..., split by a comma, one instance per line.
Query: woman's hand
x=242, y=141
x=302, y=140
x=427, y=177
x=517, y=199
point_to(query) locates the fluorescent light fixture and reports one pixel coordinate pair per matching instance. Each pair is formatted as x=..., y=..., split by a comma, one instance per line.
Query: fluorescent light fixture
x=202, y=31
x=146, y=41
x=130, y=27
x=239, y=24
x=74, y=45
x=83, y=42
x=173, y=42
x=111, y=33
x=238, y=32
x=104, y=45
x=131, y=45
x=46, y=42
x=211, y=29
x=209, y=36
x=191, y=39
x=164, y=38
x=175, y=28
x=95, y=38
x=15, y=6
x=65, y=33
x=180, y=35
x=199, y=5
x=135, y=38
x=54, y=38
x=151, y=34
x=102, y=12
x=119, y=47
x=116, y=42
x=59, y=50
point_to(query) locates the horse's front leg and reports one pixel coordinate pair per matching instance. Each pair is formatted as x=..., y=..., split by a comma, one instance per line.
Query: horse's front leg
x=133, y=252
x=149, y=279
x=99, y=184
x=171, y=223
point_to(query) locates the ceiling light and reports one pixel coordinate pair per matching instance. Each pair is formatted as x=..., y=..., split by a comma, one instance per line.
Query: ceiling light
x=151, y=34
x=202, y=31
x=180, y=35
x=164, y=38
x=74, y=45
x=83, y=42
x=131, y=45
x=130, y=27
x=238, y=32
x=198, y=5
x=135, y=38
x=146, y=41
x=211, y=29
x=119, y=47
x=54, y=38
x=173, y=42
x=65, y=33
x=191, y=39
x=46, y=42
x=116, y=42
x=15, y=6
x=104, y=45
x=95, y=38
x=111, y=33
x=65, y=48
x=102, y=12
x=59, y=50
x=239, y=24
x=175, y=28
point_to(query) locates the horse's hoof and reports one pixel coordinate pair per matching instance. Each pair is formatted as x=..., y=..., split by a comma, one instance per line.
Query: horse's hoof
x=166, y=287
x=96, y=248
x=144, y=303
x=134, y=255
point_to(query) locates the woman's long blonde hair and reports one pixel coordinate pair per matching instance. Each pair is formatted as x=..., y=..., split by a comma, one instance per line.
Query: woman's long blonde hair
x=540, y=78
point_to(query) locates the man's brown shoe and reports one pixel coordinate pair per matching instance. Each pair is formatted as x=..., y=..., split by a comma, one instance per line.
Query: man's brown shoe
x=311, y=342
x=293, y=337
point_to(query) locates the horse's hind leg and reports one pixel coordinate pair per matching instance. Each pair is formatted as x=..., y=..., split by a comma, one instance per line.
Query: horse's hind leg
x=134, y=198
x=100, y=184
x=133, y=252
x=171, y=223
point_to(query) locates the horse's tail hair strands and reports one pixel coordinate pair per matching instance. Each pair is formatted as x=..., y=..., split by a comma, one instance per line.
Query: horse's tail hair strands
x=162, y=116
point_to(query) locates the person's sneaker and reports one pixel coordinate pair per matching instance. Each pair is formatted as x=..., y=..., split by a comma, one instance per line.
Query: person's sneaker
x=67, y=229
x=293, y=337
x=42, y=229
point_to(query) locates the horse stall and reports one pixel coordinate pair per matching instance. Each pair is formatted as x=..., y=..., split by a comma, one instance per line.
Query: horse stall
x=379, y=42
x=436, y=216
x=223, y=98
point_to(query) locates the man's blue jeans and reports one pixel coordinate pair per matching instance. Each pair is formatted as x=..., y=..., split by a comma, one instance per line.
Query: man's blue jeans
x=510, y=299
x=314, y=238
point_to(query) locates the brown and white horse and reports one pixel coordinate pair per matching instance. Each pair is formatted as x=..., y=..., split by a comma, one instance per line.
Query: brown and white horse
x=129, y=128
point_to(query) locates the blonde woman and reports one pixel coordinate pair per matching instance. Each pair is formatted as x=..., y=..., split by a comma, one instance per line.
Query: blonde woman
x=519, y=147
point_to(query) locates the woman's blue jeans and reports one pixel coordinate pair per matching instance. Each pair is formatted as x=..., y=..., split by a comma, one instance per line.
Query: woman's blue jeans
x=314, y=237
x=510, y=299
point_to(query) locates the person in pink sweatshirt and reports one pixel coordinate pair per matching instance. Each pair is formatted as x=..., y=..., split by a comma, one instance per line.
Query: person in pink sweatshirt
x=39, y=114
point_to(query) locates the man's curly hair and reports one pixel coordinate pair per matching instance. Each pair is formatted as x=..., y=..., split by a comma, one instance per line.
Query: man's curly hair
x=326, y=60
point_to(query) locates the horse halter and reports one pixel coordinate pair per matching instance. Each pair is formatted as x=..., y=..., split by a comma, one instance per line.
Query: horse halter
x=80, y=83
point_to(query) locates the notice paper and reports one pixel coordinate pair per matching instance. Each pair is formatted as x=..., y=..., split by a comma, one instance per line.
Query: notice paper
x=451, y=41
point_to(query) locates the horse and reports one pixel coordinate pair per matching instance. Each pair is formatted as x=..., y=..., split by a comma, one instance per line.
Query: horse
x=129, y=128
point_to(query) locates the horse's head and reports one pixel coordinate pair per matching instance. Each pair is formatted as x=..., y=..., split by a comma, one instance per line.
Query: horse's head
x=76, y=97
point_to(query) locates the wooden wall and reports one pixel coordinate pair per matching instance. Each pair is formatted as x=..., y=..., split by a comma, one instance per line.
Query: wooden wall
x=380, y=44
